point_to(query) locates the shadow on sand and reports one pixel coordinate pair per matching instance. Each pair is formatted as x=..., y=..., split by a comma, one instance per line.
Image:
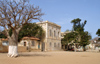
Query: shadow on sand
x=32, y=55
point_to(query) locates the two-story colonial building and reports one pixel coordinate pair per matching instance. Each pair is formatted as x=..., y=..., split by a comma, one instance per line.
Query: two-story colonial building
x=52, y=39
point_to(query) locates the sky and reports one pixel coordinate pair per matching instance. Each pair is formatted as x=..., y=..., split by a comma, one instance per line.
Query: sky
x=62, y=12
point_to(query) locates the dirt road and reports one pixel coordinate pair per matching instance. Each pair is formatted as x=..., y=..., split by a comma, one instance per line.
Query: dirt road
x=60, y=57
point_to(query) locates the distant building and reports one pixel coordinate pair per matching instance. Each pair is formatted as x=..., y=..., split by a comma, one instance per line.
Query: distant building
x=64, y=33
x=95, y=43
x=52, y=39
x=4, y=41
x=4, y=45
x=64, y=46
x=69, y=46
x=30, y=42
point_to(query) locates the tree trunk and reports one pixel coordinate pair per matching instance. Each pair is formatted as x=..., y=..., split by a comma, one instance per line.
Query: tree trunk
x=75, y=47
x=13, y=45
x=12, y=52
x=84, y=48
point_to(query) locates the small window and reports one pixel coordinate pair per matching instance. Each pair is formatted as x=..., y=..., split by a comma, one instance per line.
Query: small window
x=50, y=44
x=58, y=44
x=58, y=34
x=33, y=43
x=50, y=33
x=54, y=44
x=54, y=33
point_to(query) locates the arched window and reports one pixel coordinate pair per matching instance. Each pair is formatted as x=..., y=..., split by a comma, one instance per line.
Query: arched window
x=50, y=33
x=58, y=34
x=54, y=33
x=33, y=43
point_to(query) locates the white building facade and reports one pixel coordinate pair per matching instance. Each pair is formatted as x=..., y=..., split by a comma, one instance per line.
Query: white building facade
x=52, y=40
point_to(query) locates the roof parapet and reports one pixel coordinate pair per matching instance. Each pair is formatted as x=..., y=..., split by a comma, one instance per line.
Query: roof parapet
x=48, y=22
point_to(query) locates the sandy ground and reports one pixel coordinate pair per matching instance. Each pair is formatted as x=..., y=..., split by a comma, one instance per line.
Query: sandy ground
x=59, y=57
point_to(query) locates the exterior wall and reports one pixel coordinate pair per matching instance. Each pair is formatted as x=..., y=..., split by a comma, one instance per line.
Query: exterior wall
x=53, y=44
x=53, y=39
x=92, y=46
x=4, y=42
x=53, y=36
x=22, y=43
x=35, y=46
x=64, y=33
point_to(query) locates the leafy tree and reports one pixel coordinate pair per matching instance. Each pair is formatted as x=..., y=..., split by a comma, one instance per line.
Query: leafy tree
x=69, y=37
x=98, y=32
x=83, y=37
x=13, y=15
x=31, y=29
x=67, y=30
x=2, y=35
x=77, y=25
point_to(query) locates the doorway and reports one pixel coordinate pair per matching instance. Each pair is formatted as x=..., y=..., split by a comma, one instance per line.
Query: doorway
x=24, y=43
x=39, y=45
x=43, y=47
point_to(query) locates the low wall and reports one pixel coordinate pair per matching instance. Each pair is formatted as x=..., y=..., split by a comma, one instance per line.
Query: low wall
x=22, y=49
x=4, y=49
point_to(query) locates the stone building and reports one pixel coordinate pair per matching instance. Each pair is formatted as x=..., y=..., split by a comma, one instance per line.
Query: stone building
x=64, y=33
x=52, y=40
x=95, y=43
x=30, y=42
